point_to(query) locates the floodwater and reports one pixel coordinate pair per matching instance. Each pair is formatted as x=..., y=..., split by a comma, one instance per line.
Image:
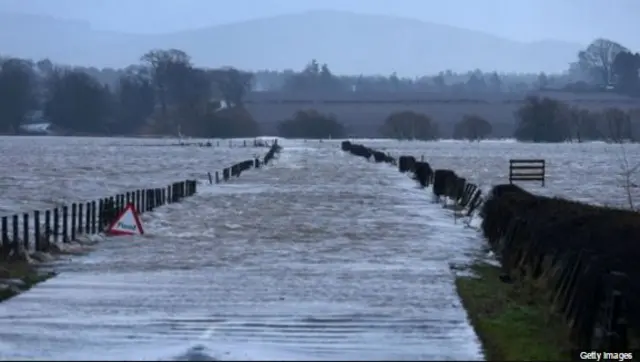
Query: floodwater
x=320, y=256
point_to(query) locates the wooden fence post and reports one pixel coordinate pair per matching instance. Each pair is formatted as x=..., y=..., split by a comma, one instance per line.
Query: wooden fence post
x=36, y=231
x=101, y=215
x=15, y=233
x=56, y=223
x=65, y=224
x=47, y=227
x=87, y=221
x=93, y=217
x=74, y=218
x=80, y=217
x=6, y=246
x=25, y=231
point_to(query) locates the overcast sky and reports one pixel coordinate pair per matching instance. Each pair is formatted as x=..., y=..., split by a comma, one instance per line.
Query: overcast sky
x=572, y=20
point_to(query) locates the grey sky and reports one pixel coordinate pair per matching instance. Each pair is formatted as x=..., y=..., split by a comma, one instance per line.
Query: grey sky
x=528, y=20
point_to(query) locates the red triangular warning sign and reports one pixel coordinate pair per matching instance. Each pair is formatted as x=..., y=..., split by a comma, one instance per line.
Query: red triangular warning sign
x=127, y=223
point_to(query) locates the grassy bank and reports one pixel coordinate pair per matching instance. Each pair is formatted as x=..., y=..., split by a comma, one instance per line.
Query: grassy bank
x=512, y=321
x=22, y=275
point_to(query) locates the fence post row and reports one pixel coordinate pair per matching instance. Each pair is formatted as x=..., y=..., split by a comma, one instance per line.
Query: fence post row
x=238, y=168
x=526, y=170
x=89, y=218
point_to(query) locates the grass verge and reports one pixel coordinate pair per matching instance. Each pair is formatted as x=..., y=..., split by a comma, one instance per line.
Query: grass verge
x=23, y=276
x=512, y=321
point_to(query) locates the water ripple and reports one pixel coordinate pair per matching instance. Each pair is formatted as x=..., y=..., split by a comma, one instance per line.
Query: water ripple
x=320, y=256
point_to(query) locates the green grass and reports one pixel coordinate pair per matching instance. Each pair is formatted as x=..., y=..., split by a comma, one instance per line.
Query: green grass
x=22, y=271
x=512, y=321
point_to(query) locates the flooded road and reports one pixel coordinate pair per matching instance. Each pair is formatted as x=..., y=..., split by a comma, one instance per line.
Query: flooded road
x=321, y=256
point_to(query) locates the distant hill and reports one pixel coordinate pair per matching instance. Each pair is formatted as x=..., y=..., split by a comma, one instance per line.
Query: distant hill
x=350, y=43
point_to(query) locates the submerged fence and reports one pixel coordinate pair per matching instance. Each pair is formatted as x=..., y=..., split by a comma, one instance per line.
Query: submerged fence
x=527, y=170
x=581, y=257
x=39, y=230
x=237, y=168
x=255, y=143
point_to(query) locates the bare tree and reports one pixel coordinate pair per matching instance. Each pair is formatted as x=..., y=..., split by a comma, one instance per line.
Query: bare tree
x=597, y=60
x=161, y=63
x=232, y=84
x=629, y=175
x=618, y=123
x=634, y=123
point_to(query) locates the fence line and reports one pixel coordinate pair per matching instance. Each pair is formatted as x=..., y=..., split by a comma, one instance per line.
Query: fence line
x=39, y=231
x=527, y=170
x=237, y=168
x=581, y=273
x=255, y=143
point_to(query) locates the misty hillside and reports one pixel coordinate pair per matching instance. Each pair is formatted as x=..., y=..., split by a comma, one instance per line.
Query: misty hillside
x=349, y=43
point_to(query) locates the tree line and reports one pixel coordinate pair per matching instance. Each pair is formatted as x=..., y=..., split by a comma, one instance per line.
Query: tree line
x=604, y=65
x=538, y=120
x=166, y=94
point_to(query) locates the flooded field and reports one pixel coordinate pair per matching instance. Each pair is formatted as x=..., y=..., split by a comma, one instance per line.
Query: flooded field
x=320, y=256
